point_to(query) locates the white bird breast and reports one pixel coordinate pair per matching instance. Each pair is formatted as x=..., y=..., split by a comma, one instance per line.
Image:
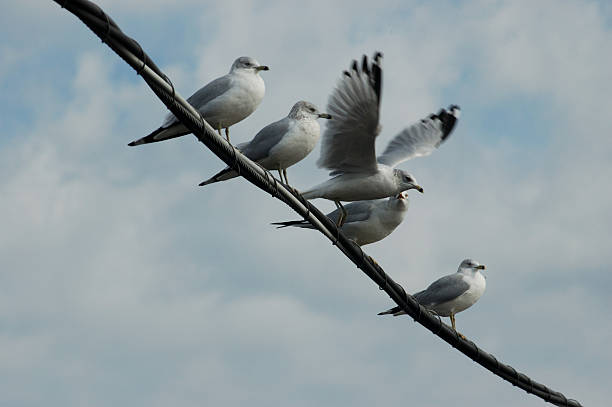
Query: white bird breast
x=477, y=284
x=244, y=96
x=297, y=143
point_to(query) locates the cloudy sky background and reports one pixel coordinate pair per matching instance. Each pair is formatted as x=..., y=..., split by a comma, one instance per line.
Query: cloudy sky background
x=123, y=283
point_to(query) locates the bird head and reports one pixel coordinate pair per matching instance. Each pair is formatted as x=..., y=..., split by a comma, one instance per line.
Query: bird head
x=248, y=64
x=407, y=181
x=399, y=201
x=303, y=109
x=469, y=265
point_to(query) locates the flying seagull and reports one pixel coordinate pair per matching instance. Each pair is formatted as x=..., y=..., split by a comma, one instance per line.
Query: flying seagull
x=367, y=221
x=452, y=293
x=281, y=144
x=347, y=146
x=222, y=103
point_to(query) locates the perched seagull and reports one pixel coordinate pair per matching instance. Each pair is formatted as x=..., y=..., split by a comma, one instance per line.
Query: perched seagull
x=452, y=293
x=347, y=146
x=281, y=144
x=367, y=221
x=223, y=102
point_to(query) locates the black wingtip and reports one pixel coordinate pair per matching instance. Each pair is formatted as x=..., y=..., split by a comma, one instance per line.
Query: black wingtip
x=449, y=120
x=376, y=76
x=285, y=224
x=390, y=311
x=148, y=139
x=372, y=71
x=364, y=65
x=280, y=225
x=209, y=181
x=217, y=177
x=154, y=137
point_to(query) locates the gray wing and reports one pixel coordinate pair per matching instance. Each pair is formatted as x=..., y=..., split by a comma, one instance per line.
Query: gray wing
x=259, y=148
x=420, y=139
x=204, y=95
x=356, y=211
x=442, y=290
x=347, y=144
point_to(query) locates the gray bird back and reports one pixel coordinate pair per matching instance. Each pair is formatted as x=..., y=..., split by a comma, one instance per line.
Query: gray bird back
x=268, y=137
x=212, y=90
x=442, y=290
x=204, y=95
x=356, y=211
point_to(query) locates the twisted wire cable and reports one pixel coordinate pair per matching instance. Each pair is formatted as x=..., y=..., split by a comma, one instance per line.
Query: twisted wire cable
x=133, y=54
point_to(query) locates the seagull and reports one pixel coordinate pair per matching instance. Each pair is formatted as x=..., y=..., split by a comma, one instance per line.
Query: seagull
x=347, y=146
x=452, y=293
x=281, y=144
x=367, y=221
x=222, y=103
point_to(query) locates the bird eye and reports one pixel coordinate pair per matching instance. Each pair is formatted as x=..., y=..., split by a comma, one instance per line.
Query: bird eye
x=312, y=109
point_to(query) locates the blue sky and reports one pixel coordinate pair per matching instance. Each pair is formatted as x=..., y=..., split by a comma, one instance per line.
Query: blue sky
x=122, y=282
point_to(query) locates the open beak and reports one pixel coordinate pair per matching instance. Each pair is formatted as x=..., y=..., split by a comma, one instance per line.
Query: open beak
x=480, y=267
x=325, y=116
x=401, y=196
x=261, y=68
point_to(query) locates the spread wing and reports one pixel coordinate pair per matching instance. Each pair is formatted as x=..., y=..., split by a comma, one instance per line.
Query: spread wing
x=421, y=138
x=347, y=144
x=442, y=290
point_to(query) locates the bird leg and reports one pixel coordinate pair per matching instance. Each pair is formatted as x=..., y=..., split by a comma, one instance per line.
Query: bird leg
x=227, y=134
x=283, y=172
x=452, y=318
x=343, y=214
